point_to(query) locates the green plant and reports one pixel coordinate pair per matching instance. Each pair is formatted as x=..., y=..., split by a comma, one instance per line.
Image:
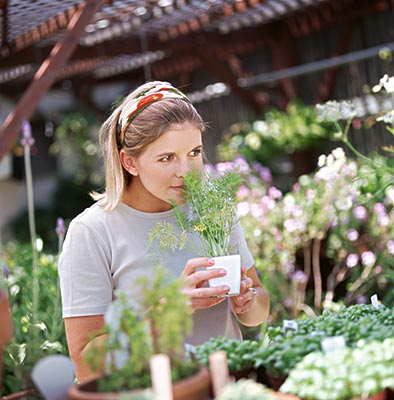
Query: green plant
x=344, y=374
x=356, y=323
x=277, y=132
x=245, y=389
x=25, y=350
x=211, y=214
x=238, y=353
x=137, y=331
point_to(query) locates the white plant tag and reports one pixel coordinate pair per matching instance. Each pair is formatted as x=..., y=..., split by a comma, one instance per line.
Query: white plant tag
x=375, y=301
x=289, y=325
x=318, y=333
x=53, y=376
x=333, y=343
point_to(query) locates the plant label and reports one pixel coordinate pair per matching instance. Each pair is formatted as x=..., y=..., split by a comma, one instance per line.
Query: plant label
x=333, y=343
x=289, y=325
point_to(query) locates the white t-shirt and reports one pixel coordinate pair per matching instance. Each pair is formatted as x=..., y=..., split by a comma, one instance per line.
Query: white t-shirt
x=106, y=251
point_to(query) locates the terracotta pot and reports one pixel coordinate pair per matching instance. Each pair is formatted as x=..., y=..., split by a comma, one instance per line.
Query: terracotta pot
x=6, y=327
x=275, y=382
x=196, y=387
x=386, y=394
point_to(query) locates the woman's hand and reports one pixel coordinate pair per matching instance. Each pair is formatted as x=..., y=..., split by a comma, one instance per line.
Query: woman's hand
x=202, y=296
x=244, y=301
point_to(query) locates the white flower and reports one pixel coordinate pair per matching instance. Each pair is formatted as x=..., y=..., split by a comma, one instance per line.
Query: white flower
x=322, y=161
x=338, y=153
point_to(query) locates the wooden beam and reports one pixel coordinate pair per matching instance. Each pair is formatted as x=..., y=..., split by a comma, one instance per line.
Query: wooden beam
x=4, y=28
x=212, y=64
x=330, y=76
x=46, y=74
x=284, y=56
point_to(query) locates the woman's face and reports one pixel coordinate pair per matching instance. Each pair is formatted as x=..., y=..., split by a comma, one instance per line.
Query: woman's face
x=157, y=172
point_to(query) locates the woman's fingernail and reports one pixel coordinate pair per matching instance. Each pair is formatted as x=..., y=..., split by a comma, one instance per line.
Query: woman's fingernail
x=211, y=261
x=226, y=289
x=222, y=272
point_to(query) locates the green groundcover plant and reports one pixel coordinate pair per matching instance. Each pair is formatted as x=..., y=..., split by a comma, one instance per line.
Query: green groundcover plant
x=356, y=323
x=211, y=214
x=238, y=353
x=348, y=373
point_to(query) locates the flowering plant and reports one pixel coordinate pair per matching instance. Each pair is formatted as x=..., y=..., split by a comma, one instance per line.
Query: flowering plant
x=211, y=214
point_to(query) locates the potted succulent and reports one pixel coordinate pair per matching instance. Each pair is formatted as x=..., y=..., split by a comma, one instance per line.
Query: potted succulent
x=211, y=214
x=134, y=334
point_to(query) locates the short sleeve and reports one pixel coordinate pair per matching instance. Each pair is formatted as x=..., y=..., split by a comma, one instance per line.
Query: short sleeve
x=85, y=273
x=238, y=245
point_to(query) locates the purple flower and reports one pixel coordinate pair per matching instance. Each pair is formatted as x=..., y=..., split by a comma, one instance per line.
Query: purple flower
x=360, y=212
x=378, y=270
x=368, y=258
x=243, y=208
x=362, y=300
x=274, y=193
x=6, y=271
x=351, y=260
x=299, y=277
x=241, y=163
x=379, y=208
x=60, y=227
x=390, y=246
x=27, y=137
x=352, y=235
x=243, y=191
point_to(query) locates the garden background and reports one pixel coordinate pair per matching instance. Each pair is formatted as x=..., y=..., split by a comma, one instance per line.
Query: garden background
x=320, y=228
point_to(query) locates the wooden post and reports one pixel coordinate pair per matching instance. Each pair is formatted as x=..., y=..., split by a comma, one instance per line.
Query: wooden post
x=160, y=370
x=219, y=371
x=46, y=74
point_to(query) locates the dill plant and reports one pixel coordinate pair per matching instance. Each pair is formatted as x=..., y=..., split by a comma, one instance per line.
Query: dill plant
x=211, y=214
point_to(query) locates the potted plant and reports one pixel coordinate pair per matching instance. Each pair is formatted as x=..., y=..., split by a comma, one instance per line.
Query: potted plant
x=211, y=214
x=134, y=334
x=238, y=355
x=364, y=372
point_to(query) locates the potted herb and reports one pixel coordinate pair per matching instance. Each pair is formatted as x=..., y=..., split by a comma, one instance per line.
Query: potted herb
x=211, y=214
x=365, y=372
x=238, y=355
x=135, y=333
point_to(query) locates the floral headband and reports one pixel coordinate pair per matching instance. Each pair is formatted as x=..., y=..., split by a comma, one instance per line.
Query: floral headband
x=145, y=98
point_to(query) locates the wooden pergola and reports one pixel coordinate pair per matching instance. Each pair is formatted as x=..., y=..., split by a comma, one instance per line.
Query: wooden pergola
x=44, y=42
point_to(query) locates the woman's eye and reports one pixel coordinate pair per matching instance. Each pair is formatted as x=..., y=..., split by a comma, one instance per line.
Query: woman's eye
x=196, y=152
x=166, y=158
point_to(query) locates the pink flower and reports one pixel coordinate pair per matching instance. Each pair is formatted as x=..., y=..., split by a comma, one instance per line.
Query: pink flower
x=360, y=212
x=352, y=235
x=351, y=260
x=368, y=258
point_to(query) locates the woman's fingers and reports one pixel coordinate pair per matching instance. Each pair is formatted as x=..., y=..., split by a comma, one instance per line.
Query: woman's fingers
x=194, y=263
x=199, y=277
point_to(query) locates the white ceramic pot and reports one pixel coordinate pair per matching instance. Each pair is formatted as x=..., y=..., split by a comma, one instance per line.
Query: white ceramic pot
x=232, y=264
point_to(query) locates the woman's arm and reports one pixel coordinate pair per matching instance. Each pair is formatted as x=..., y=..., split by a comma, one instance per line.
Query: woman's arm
x=251, y=307
x=84, y=334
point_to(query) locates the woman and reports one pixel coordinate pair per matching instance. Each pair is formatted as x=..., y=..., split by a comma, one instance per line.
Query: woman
x=150, y=141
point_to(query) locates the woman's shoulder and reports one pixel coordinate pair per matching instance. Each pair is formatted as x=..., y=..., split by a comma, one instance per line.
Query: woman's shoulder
x=92, y=218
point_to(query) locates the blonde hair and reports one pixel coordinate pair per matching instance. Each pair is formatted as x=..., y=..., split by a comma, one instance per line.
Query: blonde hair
x=144, y=129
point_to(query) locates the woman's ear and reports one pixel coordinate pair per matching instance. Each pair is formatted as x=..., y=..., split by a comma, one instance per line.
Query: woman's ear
x=128, y=163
